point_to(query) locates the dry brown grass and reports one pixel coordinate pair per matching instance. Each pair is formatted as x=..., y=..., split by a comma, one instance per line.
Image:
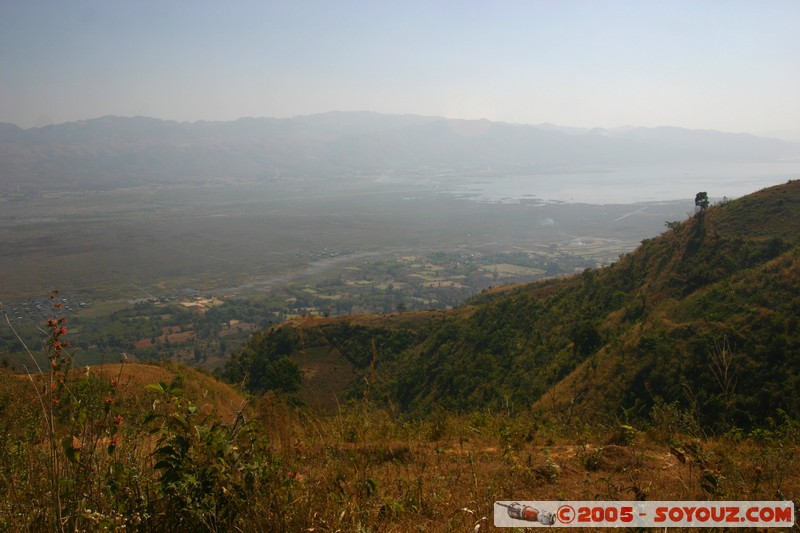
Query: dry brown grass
x=364, y=470
x=210, y=395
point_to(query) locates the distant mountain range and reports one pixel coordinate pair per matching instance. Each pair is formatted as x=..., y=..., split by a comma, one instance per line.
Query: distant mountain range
x=115, y=151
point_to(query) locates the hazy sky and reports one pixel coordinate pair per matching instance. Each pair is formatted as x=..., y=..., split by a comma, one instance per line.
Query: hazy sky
x=727, y=64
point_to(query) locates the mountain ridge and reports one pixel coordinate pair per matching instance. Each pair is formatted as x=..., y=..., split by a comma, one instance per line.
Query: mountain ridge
x=113, y=151
x=703, y=317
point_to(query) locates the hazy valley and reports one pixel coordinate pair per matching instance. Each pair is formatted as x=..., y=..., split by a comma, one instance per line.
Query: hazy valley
x=516, y=309
x=332, y=214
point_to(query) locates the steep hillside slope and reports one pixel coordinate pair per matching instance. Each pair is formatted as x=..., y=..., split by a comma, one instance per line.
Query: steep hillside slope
x=719, y=299
x=327, y=360
x=704, y=315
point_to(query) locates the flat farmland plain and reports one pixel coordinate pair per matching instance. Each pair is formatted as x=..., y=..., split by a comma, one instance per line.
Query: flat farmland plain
x=146, y=241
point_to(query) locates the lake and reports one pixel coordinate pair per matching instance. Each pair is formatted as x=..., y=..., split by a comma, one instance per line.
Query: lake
x=625, y=185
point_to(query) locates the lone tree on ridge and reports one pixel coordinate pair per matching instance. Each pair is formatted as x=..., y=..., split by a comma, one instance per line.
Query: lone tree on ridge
x=701, y=200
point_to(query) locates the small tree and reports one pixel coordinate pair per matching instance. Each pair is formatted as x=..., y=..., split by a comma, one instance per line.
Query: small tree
x=701, y=200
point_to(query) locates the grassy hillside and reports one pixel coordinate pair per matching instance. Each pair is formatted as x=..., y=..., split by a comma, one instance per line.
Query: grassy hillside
x=152, y=462
x=709, y=319
x=122, y=447
x=602, y=386
x=703, y=317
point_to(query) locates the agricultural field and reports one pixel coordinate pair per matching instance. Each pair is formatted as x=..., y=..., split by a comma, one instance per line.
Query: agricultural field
x=133, y=261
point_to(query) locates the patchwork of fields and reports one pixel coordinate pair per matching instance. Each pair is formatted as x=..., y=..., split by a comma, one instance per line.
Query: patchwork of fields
x=289, y=247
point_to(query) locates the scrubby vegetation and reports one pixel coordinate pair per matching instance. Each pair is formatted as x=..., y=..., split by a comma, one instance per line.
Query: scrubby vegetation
x=671, y=375
x=123, y=457
x=704, y=316
x=82, y=450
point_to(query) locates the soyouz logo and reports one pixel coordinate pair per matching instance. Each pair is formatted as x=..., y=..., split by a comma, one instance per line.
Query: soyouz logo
x=643, y=514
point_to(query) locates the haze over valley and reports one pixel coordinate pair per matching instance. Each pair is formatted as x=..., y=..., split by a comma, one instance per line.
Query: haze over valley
x=352, y=212
x=112, y=152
